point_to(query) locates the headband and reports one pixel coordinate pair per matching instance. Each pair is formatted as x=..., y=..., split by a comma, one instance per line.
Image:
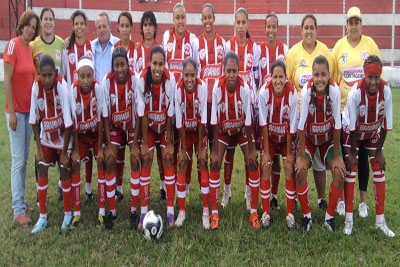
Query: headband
x=85, y=62
x=373, y=68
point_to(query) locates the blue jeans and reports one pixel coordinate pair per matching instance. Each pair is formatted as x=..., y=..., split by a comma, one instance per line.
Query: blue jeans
x=19, y=144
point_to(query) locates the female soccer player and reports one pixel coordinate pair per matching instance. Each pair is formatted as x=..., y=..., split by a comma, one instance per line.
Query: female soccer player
x=319, y=128
x=231, y=119
x=155, y=95
x=191, y=121
x=120, y=94
x=49, y=106
x=249, y=55
x=368, y=117
x=278, y=123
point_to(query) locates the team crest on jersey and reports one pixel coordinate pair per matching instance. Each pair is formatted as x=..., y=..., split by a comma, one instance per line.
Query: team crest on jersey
x=285, y=112
x=78, y=108
x=202, y=54
x=147, y=97
x=381, y=107
x=93, y=104
x=302, y=63
x=163, y=97
x=362, y=110
x=169, y=47
x=196, y=106
x=58, y=102
x=71, y=58
x=183, y=107
x=343, y=58
x=249, y=60
x=187, y=48
x=263, y=63
x=239, y=106
x=311, y=109
x=58, y=55
x=281, y=57
x=222, y=107
x=374, y=139
x=140, y=63
x=363, y=55
x=129, y=97
x=89, y=54
x=40, y=102
x=220, y=52
x=112, y=99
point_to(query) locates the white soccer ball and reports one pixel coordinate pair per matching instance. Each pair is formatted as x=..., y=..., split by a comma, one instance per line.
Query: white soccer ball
x=152, y=225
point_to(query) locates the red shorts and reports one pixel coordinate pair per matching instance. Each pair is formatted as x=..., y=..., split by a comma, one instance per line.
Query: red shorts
x=153, y=138
x=232, y=141
x=121, y=137
x=192, y=140
x=86, y=143
x=369, y=144
x=50, y=155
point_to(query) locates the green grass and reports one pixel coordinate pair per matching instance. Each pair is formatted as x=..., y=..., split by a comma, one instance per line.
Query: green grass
x=235, y=243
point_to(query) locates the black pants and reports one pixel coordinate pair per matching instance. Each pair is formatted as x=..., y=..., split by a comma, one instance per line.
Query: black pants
x=363, y=167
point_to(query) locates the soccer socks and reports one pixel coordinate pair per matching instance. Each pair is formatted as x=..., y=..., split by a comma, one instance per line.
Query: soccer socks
x=76, y=193
x=181, y=190
x=379, y=187
x=43, y=183
x=302, y=192
x=214, y=190
x=205, y=190
x=110, y=189
x=119, y=170
x=254, y=184
x=144, y=187
x=228, y=167
x=265, y=188
x=349, y=183
x=290, y=195
x=169, y=174
x=101, y=186
x=276, y=176
x=135, y=186
x=88, y=171
x=334, y=197
x=66, y=188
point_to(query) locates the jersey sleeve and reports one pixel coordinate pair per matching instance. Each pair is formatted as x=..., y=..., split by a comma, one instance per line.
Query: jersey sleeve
x=106, y=95
x=65, y=103
x=262, y=105
x=214, y=105
x=388, y=121
x=178, y=111
x=336, y=100
x=353, y=100
x=305, y=99
x=247, y=105
x=34, y=114
x=170, y=90
x=140, y=97
x=102, y=111
x=257, y=55
x=202, y=91
x=293, y=102
x=195, y=48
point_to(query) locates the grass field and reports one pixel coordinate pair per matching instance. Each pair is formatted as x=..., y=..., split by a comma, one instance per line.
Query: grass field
x=235, y=243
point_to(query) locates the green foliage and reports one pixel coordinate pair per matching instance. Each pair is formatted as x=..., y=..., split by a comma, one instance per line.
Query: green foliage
x=235, y=243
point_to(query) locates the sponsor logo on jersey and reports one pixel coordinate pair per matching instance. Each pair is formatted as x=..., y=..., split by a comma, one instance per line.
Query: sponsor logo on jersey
x=321, y=128
x=122, y=116
x=191, y=124
x=88, y=125
x=369, y=127
x=157, y=117
x=353, y=74
x=212, y=71
x=175, y=65
x=279, y=129
x=232, y=125
x=52, y=124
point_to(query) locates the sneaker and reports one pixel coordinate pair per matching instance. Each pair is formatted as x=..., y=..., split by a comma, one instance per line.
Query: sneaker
x=248, y=200
x=265, y=220
x=330, y=225
x=206, y=221
x=225, y=199
x=163, y=194
x=306, y=223
x=290, y=221
x=133, y=220
x=253, y=219
x=109, y=222
x=363, y=210
x=322, y=204
x=214, y=221
x=75, y=222
x=100, y=221
x=385, y=229
x=274, y=204
x=60, y=193
x=89, y=197
x=180, y=219
x=340, y=208
x=170, y=220
x=40, y=225
x=348, y=227
x=118, y=195
x=140, y=225
x=23, y=219
x=66, y=222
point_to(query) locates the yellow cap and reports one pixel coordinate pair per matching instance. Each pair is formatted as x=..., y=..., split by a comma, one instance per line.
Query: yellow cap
x=353, y=12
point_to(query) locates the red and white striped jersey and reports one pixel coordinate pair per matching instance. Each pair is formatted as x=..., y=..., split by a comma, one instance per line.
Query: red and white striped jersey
x=367, y=114
x=191, y=108
x=268, y=56
x=87, y=109
x=209, y=55
x=278, y=113
x=231, y=111
x=142, y=57
x=130, y=53
x=176, y=50
x=121, y=101
x=319, y=114
x=157, y=100
x=249, y=57
x=50, y=107
x=71, y=58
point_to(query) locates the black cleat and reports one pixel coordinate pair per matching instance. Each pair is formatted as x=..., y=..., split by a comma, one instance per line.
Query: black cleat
x=109, y=222
x=89, y=197
x=119, y=195
x=133, y=220
x=323, y=204
x=163, y=195
x=274, y=204
x=306, y=223
x=330, y=225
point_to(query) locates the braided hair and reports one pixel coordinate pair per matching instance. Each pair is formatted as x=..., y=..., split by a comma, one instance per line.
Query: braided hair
x=73, y=16
x=149, y=80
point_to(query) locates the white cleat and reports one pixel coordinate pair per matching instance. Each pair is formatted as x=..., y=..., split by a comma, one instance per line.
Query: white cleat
x=348, y=227
x=290, y=221
x=363, y=210
x=180, y=219
x=247, y=197
x=265, y=220
x=225, y=199
x=385, y=229
x=206, y=221
x=341, y=208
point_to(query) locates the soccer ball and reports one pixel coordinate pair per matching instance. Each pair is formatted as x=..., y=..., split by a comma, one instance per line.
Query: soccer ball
x=152, y=225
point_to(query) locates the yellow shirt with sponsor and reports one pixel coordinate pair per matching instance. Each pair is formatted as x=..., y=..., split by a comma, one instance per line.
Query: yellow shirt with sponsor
x=349, y=62
x=54, y=49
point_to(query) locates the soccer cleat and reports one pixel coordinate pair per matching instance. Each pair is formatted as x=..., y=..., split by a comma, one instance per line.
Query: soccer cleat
x=363, y=210
x=40, y=225
x=322, y=204
x=253, y=219
x=206, y=221
x=23, y=219
x=385, y=229
x=214, y=221
x=180, y=219
x=163, y=194
x=247, y=197
x=265, y=220
x=306, y=223
x=340, y=208
x=66, y=224
x=133, y=220
x=140, y=225
x=60, y=193
x=100, y=221
x=89, y=197
x=109, y=222
x=170, y=220
x=290, y=221
x=118, y=195
x=225, y=199
x=330, y=225
x=274, y=204
x=348, y=227
x=75, y=222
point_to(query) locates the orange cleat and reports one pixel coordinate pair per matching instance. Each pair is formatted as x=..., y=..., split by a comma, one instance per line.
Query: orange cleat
x=255, y=222
x=214, y=221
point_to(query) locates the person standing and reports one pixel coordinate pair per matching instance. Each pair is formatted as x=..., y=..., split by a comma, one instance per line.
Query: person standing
x=349, y=54
x=19, y=73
